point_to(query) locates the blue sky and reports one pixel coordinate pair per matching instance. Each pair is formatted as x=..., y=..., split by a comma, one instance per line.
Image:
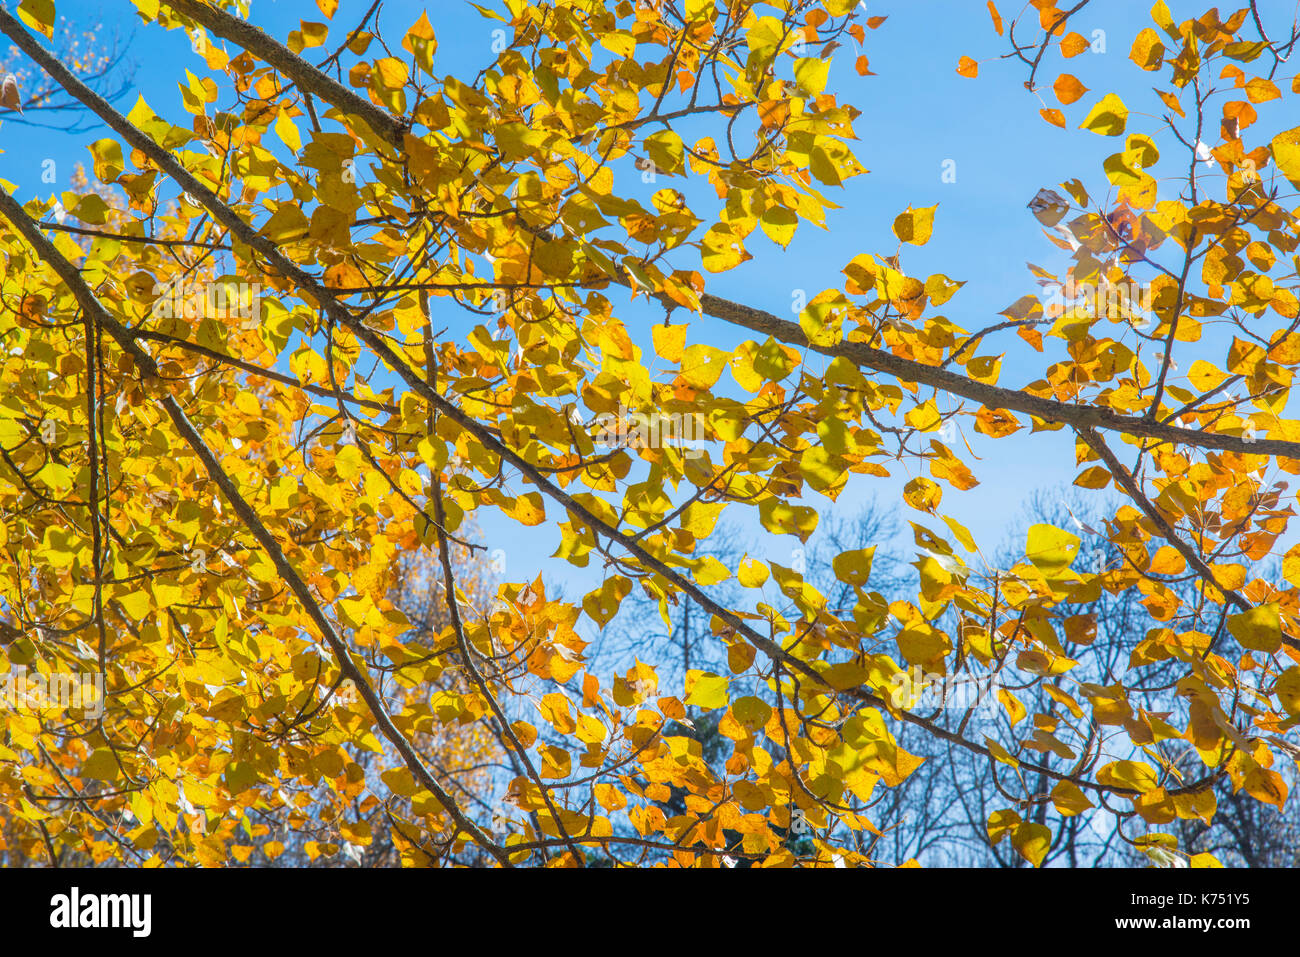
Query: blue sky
x=917, y=114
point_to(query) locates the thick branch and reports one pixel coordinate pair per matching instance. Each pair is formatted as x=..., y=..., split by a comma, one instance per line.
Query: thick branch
x=310, y=286
x=149, y=371
x=310, y=78
x=995, y=397
x=1126, y=481
x=306, y=76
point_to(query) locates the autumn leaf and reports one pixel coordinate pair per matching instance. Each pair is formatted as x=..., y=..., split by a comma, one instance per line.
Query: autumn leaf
x=915, y=226
x=1108, y=117
x=364, y=433
x=1068, y=89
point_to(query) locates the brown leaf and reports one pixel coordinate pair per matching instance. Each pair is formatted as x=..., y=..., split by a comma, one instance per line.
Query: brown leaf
x=9, y=98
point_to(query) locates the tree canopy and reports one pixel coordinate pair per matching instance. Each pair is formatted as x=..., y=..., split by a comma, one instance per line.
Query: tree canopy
x=268, y=369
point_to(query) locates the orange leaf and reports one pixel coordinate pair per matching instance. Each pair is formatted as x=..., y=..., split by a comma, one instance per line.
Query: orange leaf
x=968, y=67
x=1073, y=44
x=1260, y=90
x=1068, y=88
x=997, y=17
x=1055, y=117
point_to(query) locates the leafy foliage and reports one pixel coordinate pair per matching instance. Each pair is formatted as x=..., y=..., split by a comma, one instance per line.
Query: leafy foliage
x=211, y=501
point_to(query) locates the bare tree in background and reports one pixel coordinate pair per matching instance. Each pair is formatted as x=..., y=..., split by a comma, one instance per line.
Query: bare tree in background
x=940, y=814
x=97, y=56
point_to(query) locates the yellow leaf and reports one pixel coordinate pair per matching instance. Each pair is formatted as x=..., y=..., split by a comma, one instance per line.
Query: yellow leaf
x=1015, y=710
x=780, y=518
x=529, y=509
x=1053, y=116
x=1050, y=549
x=555, y=708
x=697, y=9
x=1168, y=561
x=400, y=781
x=1069, y=799
x=39, y=15
x=108, y=163
x=288, y=132
x=1287, y=690
x=101, y=765
x=706, y=690
x=1128, y=774
x=1259, y=629
x=1032, y=842
x=669, y=341
x=1108, y=118
x=722, y=249
x=1286, y=154
x=603, y=603
x=1002, y=823
x=1072, y=44
x=1148, y=50
x=392, y=73
x=1093, y=477
x=666, y=151
x=702, y=365
x=997, y=17
x=922, y=494
x=752, y=573
x=1000, y=753
x=421, y=42
x=811, y=74
x=1266, y=785
x=915, y=226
